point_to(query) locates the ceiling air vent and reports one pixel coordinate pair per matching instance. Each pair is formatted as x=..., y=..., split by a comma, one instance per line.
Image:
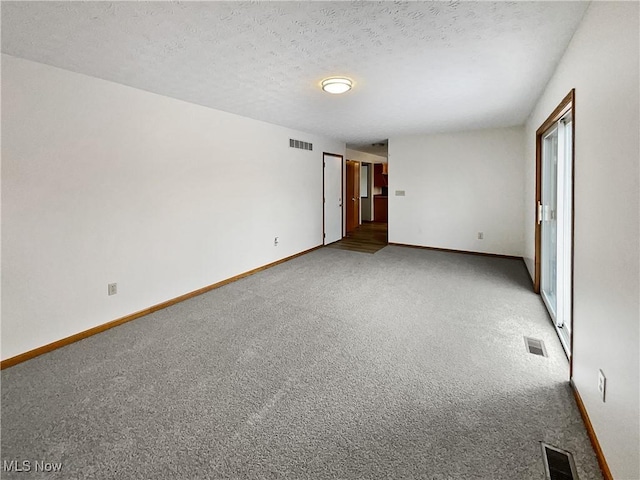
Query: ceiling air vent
x=300, y=144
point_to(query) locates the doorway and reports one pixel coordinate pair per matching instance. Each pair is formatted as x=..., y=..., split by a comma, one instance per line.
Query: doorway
x=554, y=217
x=332, y=197
x=353, y=195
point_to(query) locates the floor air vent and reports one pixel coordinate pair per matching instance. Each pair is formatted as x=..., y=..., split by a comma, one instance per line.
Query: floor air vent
x=300, y=144
x=558, y=464
x=535, y=346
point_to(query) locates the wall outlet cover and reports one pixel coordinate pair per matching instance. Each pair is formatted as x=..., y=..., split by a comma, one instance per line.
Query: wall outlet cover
x=602, y=384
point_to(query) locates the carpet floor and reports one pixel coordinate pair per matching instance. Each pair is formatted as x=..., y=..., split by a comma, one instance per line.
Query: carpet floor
x=405, y=364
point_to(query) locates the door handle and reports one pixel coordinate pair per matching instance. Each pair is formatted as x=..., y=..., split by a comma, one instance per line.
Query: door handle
x=539, y=213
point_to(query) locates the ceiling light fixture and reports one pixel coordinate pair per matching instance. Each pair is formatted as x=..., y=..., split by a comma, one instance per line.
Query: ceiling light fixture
x=336, y=85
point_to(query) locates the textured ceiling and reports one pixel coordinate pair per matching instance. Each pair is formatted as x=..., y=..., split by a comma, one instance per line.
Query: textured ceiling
x=417, y=66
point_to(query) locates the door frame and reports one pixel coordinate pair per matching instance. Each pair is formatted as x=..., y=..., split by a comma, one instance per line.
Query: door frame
x=324, y=201
x=568, y=104
x=355, y=166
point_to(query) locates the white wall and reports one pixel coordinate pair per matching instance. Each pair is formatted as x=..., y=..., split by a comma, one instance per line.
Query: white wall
x=1, y=209
x=601, y=63
x=105, y=183
x=457, y=185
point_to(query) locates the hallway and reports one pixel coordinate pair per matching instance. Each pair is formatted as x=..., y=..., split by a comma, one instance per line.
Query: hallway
x=367, y=238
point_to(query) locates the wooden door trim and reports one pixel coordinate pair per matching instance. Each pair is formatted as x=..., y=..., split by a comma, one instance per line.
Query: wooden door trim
x=568, y=104
x=353, y=168
x=324, y=194
x=358, y=198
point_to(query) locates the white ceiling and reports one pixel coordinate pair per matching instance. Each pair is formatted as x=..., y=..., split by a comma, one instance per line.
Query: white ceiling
x=418, y=67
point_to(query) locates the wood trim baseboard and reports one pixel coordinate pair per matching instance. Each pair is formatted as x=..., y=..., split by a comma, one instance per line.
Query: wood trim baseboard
x=606, y=473
x=36, y=352
x=451, y=250
x=524, y=262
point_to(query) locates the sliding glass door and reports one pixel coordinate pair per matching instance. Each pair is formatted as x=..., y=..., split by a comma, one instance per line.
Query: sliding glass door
x=549, y=224
x=555, y=218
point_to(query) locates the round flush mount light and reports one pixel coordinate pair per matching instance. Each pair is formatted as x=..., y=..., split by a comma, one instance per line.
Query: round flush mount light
x=336, y=85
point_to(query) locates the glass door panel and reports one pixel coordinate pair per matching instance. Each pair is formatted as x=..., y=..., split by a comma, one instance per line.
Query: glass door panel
x=549, y=223
x=555, y=215
x=565, y=227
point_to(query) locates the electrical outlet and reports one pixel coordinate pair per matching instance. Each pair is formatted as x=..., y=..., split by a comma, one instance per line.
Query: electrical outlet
x=275, y=242
x=112, y=288
x=602, y=384
x=480, y=235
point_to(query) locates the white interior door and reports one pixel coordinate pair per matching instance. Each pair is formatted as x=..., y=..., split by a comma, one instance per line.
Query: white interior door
x=332, y=198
